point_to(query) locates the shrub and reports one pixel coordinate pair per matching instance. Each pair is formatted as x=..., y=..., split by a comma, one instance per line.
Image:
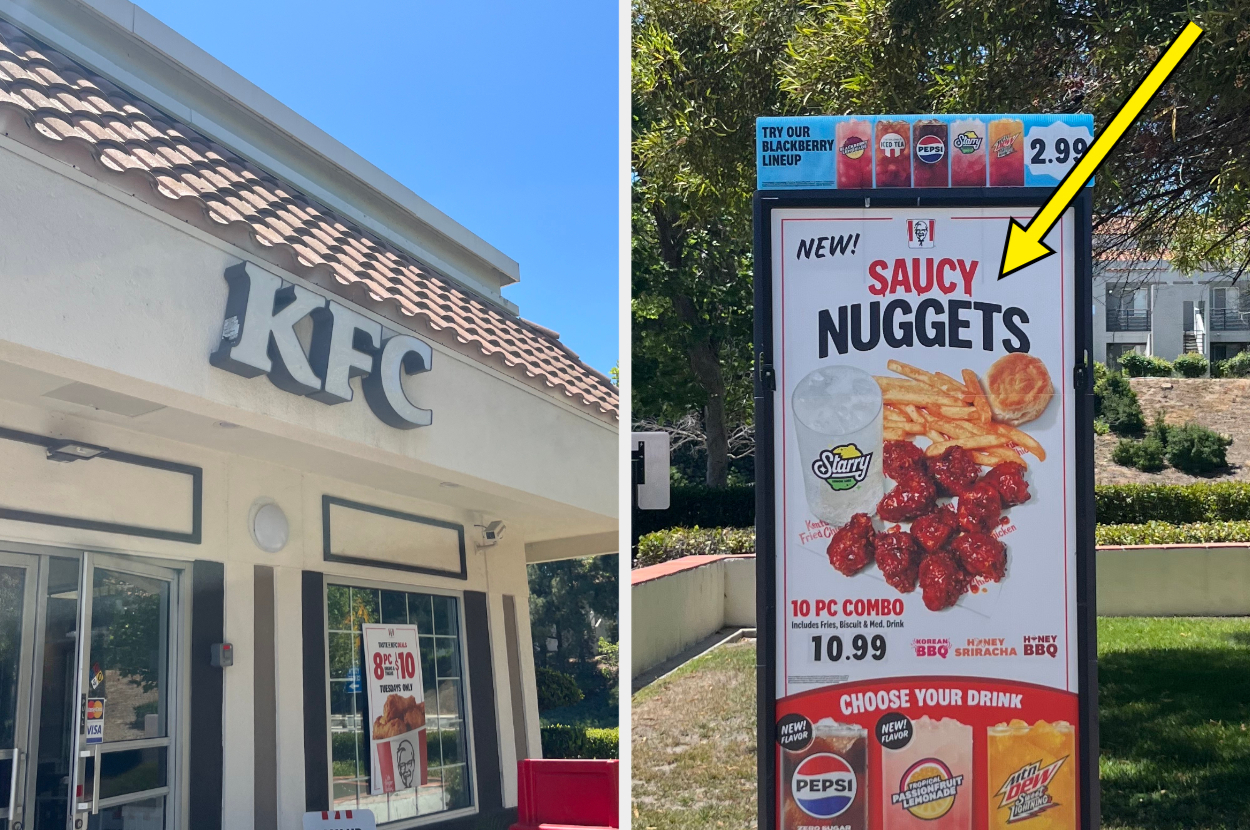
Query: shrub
x=561, y=741
x=1174, y=503
x=1237, y=366
x=1145, y=366
x=695, y=505
x=1101, y=427
x=555, y=689
x=1116, y=403
x=1166, y=533
x=1146, y=455
x=674, y=543
x=1192, y=365
x=1197, y=450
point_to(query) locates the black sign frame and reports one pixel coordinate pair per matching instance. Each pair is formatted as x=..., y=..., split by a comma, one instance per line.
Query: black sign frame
x=764, y=385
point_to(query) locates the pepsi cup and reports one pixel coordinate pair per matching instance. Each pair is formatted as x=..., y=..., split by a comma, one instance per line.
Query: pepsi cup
x=826, y=784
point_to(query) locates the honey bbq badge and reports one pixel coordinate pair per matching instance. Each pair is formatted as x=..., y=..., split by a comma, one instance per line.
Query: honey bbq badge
x=842, y=467
x=1026, y=792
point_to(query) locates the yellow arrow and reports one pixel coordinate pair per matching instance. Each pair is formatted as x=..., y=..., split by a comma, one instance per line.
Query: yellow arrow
x=1024, y=244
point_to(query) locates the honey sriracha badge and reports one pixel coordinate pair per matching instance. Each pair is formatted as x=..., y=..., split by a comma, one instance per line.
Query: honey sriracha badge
x=923, y=536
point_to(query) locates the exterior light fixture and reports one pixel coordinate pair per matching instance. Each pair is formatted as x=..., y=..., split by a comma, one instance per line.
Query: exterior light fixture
x=73, y=451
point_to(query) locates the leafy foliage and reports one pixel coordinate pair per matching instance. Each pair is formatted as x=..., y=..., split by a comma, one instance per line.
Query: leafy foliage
x=1192, y=365
x=702, y=72
x=696, y=505
x=564, y=741
x=674, y=543
x=1197, y=450
x=1116, y=403
x=1166, y=533
x=1145, y=366
x=567, y=599
x=555, y=689
x=1146, y=455
x=1177, y=504
x=1237, y=366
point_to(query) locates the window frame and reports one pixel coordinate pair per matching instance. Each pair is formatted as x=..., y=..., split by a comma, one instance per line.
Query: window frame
x=470, y=747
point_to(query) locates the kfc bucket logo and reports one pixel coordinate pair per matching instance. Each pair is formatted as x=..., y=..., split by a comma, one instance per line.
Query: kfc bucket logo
x=920, y=233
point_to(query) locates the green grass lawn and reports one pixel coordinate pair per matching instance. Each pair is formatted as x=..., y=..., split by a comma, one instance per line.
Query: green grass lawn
x=1175, y=731
x=1174, y=703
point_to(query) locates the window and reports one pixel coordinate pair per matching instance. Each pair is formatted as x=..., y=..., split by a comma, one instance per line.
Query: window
x=437, y=618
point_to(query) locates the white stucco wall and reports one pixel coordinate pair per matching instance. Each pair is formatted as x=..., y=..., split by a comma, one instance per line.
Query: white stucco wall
x=98, y=288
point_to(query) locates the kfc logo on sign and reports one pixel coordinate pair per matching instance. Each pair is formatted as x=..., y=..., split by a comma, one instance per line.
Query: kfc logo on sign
x=920, y=233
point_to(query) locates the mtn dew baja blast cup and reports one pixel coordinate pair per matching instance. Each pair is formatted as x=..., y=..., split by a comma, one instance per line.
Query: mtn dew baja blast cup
x=825, y=786
x=837, y=419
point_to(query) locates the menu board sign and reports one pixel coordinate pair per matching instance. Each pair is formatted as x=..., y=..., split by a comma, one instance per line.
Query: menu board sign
x=921, y=503
x=888, y=151
x=397, y=737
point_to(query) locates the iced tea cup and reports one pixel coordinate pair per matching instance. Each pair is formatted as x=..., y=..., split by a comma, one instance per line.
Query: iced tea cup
x=928, y=783
x=893, y=155
x=837, y=420
x=967, y=145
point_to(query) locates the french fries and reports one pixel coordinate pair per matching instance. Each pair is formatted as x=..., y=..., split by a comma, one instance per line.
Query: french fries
x=950, y=413
x=979, y=401
x=972, y=442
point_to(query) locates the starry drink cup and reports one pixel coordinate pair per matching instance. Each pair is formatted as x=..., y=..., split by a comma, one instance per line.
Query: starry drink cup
x=826, y=784
x=837, y=420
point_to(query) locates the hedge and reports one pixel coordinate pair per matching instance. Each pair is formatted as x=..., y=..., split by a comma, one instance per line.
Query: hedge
x=676, y=542
x=691, y=506
x=1162, y=533
x=1146, y=533
x=1117, y=504
x=560, y=741
x=556, y=689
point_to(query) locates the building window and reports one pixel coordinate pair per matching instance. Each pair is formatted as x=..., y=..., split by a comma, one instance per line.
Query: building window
x=437, y=618
x=1230, y=309
x=1223, y=351
x=1128, y=310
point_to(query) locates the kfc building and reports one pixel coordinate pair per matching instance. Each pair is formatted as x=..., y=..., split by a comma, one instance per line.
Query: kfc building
x=256, y=397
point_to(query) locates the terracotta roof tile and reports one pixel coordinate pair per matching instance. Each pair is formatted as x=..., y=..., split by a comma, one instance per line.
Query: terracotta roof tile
x=69, y=107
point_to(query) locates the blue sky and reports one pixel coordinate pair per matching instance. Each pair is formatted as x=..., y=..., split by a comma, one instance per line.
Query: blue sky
x=502, y=115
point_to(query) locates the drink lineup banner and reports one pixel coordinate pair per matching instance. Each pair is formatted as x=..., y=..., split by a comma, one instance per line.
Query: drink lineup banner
x=923, y=484
x=889, y=151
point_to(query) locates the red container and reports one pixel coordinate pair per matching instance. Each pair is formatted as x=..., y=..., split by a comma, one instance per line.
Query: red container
x=893, y=154
x=568, y=793
x=1007, y=153
x=854, y=141
x=931, y=165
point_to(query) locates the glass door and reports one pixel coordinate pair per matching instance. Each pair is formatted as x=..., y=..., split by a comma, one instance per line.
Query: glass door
x=18, y=586
x=126, y=695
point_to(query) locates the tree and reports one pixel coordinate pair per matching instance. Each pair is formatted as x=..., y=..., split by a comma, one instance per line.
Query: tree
x=567, y=601
x=702, y=72
x=1179, y=185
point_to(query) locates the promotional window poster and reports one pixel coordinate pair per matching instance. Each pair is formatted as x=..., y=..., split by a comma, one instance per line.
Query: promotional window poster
x=923, y=435
x=397, y=707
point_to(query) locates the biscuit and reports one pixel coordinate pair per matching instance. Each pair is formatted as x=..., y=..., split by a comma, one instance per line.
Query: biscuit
x=1019, y=388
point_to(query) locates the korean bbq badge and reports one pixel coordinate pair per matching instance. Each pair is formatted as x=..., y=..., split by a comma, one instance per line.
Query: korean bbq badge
x=396, y=706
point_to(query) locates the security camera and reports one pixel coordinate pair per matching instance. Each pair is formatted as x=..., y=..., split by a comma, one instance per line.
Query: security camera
x=492, y=533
